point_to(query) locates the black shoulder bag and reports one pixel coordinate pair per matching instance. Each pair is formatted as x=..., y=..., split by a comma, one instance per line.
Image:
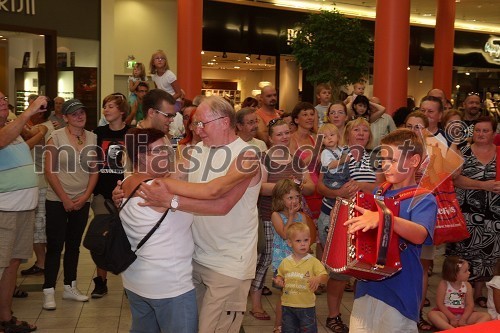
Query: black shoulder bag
x=107, y=241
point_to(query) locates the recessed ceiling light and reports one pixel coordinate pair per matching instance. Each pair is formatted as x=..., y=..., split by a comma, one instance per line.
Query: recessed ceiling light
x=426, y=14
x=237, y=67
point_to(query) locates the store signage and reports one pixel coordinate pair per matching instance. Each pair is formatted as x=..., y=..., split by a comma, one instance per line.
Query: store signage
x=18, y=6
x=492, y=47
x=291, y=34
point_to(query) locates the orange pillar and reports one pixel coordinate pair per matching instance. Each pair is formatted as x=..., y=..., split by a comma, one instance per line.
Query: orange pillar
x=189, y=34
x=444, y=40
x=392, y=41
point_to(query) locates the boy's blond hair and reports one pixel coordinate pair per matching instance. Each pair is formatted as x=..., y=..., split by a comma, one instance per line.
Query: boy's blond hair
x=328, y=127
x=322, y=86
x=295, y=228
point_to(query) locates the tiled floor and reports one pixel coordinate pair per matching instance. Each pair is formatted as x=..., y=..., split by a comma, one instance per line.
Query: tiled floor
x=111, y=313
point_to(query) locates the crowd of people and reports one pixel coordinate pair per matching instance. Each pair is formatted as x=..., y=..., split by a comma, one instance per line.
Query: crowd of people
x=244, y=191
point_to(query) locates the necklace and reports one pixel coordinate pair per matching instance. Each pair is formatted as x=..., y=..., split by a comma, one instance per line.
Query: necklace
x=78, y=136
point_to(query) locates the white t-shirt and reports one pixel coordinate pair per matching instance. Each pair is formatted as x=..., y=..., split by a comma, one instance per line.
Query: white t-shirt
x=494, y=283
x=225, y=244
x=164, y=81
x=163, y=268
x=261, y=145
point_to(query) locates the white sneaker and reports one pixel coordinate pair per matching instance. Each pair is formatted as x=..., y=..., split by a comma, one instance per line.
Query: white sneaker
x=72, y=292
x=49, y=302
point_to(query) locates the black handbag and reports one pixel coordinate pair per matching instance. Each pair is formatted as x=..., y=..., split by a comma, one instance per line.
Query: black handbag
x=107, y=241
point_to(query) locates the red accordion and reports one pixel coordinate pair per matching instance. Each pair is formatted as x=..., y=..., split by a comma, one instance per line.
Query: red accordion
x=370, y=255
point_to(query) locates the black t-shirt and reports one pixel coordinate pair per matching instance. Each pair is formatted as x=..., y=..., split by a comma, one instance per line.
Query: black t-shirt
x=112, y=144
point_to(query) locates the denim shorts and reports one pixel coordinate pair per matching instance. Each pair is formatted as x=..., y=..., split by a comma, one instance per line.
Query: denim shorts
x=176, y=314
x=298, y=320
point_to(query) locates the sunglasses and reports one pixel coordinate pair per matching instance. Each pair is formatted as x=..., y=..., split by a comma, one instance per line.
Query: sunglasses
x=273, y=122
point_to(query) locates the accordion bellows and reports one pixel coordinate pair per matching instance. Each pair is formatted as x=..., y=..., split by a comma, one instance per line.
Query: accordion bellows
x=370, y=255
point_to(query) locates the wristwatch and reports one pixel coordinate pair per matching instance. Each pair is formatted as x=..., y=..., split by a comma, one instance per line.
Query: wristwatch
x=174, y=203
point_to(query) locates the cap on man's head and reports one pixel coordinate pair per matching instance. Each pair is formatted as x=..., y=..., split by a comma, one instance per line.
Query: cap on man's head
x=72, y=105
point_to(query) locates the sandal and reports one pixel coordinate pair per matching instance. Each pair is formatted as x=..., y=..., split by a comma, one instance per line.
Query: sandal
x=336, y=325
x=348, y=287
x=18, y=293
x=481, y=302
x=266, y=291
x=15, y=326
x=423, y=324
x=427, y=303
x=260, y=315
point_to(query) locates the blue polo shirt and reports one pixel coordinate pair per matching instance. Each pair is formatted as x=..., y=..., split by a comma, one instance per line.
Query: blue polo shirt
x=403, y=291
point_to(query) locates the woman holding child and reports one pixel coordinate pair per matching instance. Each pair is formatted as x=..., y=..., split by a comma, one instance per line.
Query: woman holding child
x=363, y=178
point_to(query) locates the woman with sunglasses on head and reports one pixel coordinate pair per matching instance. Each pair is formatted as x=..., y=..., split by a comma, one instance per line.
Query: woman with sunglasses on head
x=277, y=163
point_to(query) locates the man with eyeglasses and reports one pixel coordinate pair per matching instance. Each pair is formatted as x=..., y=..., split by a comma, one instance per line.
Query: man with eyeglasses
x=225, y=224
x=266, y=112
x=246, y=128
x=18, y=199
x=159, y=110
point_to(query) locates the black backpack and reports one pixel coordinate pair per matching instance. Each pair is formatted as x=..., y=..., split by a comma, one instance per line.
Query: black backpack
x=107, y=241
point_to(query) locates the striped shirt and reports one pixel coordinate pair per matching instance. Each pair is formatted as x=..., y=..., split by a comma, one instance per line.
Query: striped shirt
x=360, y=171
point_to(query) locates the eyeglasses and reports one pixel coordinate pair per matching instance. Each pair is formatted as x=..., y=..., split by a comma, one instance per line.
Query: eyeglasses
x=160, y=58
x=168, y=115
x=201, y=124
x=472, y=93
x=415, y=127
x=273, y=122
x=5, y=98
x=336, y=113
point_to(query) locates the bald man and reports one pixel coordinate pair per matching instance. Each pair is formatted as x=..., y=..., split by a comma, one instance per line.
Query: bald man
x=266, y=112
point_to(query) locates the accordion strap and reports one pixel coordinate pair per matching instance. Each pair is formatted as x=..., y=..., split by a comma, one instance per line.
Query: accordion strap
x=387, y=218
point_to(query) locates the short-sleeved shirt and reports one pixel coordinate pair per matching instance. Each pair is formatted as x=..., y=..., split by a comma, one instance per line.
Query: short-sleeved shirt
x=112, y=146
x=360, y=171
x=165, y=81
x=281, y=250
x=296, y=292
x=403, y=291
x=494, y=283
x=73, y=166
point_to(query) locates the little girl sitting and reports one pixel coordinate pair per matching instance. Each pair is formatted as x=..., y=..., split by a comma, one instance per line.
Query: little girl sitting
x=494, y=293
x=454, y=297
